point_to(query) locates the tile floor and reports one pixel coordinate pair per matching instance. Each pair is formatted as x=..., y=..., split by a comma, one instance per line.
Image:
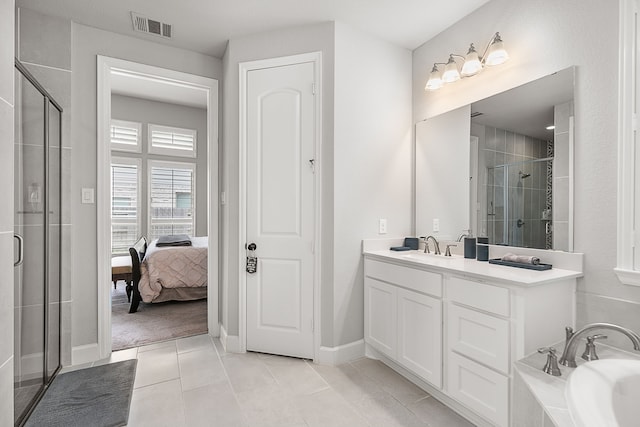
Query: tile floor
x=194, y=382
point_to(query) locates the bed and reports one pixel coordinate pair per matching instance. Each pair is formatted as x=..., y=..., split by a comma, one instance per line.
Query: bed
x=169, y=273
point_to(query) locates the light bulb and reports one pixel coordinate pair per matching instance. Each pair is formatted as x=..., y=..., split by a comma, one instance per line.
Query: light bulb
x=472, y=63
x=451, y=73
x=435, y=79
x=496, y=54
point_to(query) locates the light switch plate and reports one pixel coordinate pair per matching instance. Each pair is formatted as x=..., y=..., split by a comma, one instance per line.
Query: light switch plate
x=382, y=226
x=88, y=196
x=436, y=225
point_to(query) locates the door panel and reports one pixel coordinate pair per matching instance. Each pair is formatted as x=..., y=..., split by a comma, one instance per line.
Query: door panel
x=280, y=209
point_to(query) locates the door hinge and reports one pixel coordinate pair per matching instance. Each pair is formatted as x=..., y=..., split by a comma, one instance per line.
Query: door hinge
x=634, y=122
x=313, y=88
x=312, y=325
x=313, y=250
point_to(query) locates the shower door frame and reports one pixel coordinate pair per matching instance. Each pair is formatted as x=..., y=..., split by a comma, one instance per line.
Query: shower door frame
x=48, y=101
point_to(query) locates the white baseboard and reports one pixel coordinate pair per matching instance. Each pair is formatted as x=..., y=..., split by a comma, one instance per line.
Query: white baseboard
x=231, y=343
x=84, y=354
x=334, y=356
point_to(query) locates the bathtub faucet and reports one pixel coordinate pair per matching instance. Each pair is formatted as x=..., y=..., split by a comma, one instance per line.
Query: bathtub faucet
x=569, y=354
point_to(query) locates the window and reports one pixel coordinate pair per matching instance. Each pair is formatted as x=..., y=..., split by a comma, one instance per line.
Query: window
x=126, y=136
x=172, y=141
x=125, y=204
x=171, y=198
x=628, y=255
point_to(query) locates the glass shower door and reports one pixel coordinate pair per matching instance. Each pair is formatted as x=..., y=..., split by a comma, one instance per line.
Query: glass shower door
x=37, y=242
x=29, y=228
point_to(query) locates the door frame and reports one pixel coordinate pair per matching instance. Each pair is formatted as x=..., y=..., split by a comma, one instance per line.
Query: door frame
x=105, y=65
x=244, y=68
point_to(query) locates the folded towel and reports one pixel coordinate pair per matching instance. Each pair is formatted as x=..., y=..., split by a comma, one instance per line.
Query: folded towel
x=174, y=240
x=521, y=259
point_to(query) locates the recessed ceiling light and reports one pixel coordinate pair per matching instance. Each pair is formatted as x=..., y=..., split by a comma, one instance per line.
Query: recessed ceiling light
x=552, y=127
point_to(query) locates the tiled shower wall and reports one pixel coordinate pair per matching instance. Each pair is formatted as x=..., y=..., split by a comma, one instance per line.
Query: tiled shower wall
x=563, y=115
x=499, y=147
x=44, y=47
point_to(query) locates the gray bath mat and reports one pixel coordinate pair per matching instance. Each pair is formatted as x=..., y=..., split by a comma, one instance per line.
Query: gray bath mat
x=98, y=396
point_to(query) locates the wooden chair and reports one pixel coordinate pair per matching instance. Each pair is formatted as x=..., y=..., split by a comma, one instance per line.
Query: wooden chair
x=137, y=252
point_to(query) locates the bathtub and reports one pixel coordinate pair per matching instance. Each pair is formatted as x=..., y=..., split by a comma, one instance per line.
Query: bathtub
x=605, y=393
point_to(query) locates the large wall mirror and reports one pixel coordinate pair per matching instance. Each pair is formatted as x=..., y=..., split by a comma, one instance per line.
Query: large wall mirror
x=501, y=167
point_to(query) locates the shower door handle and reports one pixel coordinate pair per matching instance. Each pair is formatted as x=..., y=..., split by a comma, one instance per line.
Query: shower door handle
x=20, y=249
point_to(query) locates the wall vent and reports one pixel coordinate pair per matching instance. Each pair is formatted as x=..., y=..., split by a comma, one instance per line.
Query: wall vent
x=150, y=26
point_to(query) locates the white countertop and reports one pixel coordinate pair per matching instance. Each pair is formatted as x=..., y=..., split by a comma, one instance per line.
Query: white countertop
x=477, y=269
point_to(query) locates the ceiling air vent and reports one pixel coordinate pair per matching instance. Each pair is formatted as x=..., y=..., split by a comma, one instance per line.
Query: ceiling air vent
x=476, y=114
x=150, y=26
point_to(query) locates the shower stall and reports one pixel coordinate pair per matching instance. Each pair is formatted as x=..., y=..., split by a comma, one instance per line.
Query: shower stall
x=37, y=232
x=519, y=204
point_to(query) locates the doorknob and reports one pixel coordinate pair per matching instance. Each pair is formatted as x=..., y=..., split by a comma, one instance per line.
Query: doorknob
x=252, y=246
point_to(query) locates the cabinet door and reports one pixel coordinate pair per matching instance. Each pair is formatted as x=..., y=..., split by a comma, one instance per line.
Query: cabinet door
x=380, y=325
x=420, y=335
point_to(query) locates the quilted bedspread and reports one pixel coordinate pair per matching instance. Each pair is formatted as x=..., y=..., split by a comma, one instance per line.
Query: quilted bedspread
x=173, y=267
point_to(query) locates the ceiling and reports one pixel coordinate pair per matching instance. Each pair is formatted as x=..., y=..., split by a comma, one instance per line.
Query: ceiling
x=527, y=109
x=157, y=90
x=205, y=26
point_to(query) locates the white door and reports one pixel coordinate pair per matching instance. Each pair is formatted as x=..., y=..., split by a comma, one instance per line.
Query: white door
x=280, y=209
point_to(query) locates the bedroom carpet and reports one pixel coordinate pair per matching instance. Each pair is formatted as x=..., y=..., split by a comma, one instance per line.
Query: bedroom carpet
x=98, y=396
x=154, y=322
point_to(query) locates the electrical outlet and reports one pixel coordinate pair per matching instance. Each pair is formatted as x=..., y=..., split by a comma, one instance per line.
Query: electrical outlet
x=382, y=226
x=436, y=225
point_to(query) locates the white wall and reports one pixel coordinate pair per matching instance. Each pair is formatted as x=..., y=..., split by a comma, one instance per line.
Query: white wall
x=440, y=142
x=365, y=160
x=372, y=163
x=543, y=37
x=6, y=210
x=88, y=42
x=285, y=42
x=145, y=111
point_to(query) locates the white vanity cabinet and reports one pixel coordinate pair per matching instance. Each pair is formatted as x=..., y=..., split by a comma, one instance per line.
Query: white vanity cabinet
x=478, y=347
x=403, y=317
x=455, y=326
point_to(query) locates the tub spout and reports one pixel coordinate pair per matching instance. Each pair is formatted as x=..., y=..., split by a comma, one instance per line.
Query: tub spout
x=569, y=354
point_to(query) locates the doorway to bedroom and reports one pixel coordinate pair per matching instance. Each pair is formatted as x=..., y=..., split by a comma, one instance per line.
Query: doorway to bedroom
x=159, y=161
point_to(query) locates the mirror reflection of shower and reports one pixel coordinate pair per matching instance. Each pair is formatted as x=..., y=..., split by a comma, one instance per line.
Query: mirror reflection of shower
x=519, y=203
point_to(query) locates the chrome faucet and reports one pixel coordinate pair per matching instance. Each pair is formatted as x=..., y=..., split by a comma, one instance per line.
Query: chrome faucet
x=569, y=354
x=436, y=246
x=463, y=235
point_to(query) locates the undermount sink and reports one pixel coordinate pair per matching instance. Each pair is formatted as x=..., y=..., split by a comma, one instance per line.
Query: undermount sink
x=421, y=256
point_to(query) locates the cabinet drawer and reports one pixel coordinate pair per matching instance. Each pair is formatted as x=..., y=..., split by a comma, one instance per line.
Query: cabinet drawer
x=411, y=278
x=485, y=297
x=479, y=388
x=480, y=336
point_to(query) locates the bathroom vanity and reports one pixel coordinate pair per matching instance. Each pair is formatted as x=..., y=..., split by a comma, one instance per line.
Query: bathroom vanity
x=454, y=326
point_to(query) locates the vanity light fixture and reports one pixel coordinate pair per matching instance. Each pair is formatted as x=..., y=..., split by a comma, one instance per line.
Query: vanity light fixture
x=494, y=54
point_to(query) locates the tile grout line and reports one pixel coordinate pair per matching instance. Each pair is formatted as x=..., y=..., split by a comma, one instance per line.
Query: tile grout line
x=226, y=375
